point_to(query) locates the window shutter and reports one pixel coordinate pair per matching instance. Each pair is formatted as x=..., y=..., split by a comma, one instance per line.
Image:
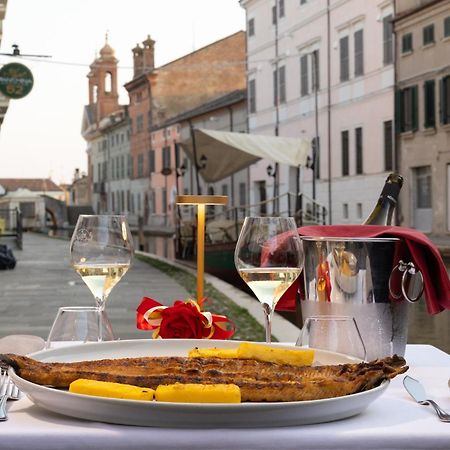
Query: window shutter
x=282, y=88
x=429, y=104
x=344, y=60
x=275, y=88
x=359, y=53
x=399, y=111
x=304, y=75
x=415, y=109
x=442, y=100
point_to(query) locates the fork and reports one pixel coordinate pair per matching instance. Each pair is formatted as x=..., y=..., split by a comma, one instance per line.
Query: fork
x=8, y=391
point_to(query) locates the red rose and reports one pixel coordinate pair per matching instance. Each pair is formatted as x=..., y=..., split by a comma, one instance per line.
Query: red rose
x=183, y=320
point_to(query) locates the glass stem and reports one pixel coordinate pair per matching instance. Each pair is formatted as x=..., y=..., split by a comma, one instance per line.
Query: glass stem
x=100, y=309
x=268, y=322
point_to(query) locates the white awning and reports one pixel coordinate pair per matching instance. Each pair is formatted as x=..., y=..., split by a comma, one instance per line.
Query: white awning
x=228, y=152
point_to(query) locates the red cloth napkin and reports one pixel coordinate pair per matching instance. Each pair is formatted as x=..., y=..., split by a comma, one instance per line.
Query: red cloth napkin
x=423, y=252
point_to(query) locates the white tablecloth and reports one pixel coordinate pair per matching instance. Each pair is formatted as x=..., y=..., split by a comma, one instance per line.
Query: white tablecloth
x=394, y=421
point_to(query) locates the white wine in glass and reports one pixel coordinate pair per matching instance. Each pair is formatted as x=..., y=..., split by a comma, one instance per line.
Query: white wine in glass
x=269, y=258
x=101, y=251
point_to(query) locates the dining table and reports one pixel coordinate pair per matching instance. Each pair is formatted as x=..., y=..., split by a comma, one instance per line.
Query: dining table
x=393, y=421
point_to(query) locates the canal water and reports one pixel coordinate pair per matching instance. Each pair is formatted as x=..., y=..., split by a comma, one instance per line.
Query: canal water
x=428, y=329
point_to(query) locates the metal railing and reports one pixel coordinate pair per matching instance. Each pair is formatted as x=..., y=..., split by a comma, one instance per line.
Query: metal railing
x=223, y=224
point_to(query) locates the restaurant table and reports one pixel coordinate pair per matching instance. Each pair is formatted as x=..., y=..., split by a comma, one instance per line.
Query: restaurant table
x=393, y=421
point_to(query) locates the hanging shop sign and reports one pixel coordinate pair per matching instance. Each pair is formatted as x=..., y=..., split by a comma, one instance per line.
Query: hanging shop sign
x=16, y=80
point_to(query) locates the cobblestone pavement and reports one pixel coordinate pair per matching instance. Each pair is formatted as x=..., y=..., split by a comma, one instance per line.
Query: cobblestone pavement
x=43, y=280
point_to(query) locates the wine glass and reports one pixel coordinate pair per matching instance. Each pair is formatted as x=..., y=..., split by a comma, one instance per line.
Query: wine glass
x=269, y=258
x=337, y=334
x=101, y=250
x=79, y=325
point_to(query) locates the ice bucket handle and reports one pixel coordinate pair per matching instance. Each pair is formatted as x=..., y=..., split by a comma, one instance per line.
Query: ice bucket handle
x=408, y=270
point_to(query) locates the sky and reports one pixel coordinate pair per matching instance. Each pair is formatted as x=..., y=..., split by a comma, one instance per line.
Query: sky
x=41, y=133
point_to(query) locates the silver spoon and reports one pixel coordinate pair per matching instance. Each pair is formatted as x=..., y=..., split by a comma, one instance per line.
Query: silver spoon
x=417, y=392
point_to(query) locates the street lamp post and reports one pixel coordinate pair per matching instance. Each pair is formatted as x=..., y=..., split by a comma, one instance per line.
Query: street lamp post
x=201, y=201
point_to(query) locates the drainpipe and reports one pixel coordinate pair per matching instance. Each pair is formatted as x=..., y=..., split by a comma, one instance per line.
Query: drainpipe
x=330, y=221
x=277, y=113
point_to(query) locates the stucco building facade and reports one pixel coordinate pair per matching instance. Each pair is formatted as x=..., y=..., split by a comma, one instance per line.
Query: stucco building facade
x=324, y=70
x=422, y=29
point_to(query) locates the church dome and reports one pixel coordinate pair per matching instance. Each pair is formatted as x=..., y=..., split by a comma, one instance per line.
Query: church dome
x=107, y=51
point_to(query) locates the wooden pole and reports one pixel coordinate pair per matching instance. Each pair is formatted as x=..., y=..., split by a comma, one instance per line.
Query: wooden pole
x=200, y=250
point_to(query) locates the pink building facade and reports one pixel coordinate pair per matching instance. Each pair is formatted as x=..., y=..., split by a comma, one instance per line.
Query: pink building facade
x=325, y=68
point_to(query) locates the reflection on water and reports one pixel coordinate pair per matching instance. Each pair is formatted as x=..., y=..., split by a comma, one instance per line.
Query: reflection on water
x=427, y=329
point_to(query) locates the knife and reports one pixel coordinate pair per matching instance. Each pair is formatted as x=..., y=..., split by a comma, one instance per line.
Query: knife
x=417, y=392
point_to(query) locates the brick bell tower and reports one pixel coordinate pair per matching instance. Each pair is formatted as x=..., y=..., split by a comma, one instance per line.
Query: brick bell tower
x=103, y=83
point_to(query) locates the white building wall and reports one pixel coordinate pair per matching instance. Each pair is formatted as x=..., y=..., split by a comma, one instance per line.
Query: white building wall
x=364, y=101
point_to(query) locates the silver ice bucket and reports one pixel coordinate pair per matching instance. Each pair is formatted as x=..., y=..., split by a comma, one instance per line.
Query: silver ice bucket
x=362, y=278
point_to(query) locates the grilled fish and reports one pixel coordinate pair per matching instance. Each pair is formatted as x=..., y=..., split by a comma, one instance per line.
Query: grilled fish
x=258, y=381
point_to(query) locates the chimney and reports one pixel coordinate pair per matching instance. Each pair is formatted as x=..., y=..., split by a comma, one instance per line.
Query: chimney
x=76, y=176
x=149, y=54
x=138, y=62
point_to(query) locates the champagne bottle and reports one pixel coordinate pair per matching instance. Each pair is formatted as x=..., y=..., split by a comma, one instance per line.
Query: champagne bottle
x=383, y=212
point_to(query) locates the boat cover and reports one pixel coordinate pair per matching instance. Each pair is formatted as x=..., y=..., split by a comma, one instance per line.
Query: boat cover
x=228, y=152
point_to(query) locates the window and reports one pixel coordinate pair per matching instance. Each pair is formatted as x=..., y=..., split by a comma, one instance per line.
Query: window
x=345, y=210
x=274, y=14
x=224, y=189
x=113, y=168
x=304, y=85
x=252, y=96
x=359, y=211
x=164, y=200
x=407, y=43
x=152, y=202
x=251, y=27
x=388, y=53
x=428, y=34
x=445, y=100
x=303, y=2
x=166, y=158
x=140, y=167
x=447, y=27
x=429, y=104
x=422, y=177
x=138, y=203
x=117, y=168
x=359, y=53
x=282, y=87
x=151, y=161
x=407, y=109
x=359, y=150
x=279, y=86
x=139, y=123
x=130, y=167
x=315, y=70
x=344, y=60
x=132, y=209
x=122, y=166
x=345, y=153
x=388, y=146
x=242, y=195
x=281, y=8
